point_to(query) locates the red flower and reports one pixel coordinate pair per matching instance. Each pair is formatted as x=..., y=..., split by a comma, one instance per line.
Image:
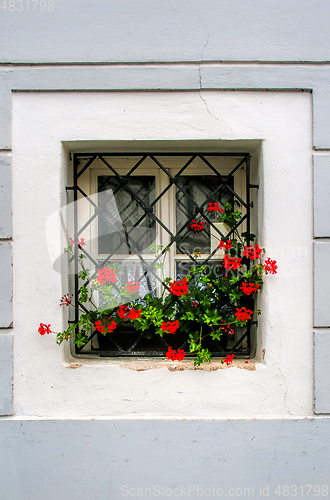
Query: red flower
x=226, y=328
x=249, y=288
x=98, y=326
x=81, y=241
x=243, y=314
x=132, y=288
x=134, y=314
x=252, y=252
x=214, y=207
x=43, y=328
x=66, y=300
x=229, y=359
x=197, y=226
x=179, y=287
x=170, y=327
x=111, y=326
x=195, y=304
x=106, y=275
x=122, y=311
x=170, y=354
x=175, y=355
x=180, y=355
x=270, y=266
x=224, y=245
x=232, y=262
x=106, y=327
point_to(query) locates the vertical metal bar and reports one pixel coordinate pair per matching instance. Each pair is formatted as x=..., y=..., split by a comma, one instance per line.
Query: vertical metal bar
x=75, y=231
x=248, y=230
x=248, y=201
x=248, y=338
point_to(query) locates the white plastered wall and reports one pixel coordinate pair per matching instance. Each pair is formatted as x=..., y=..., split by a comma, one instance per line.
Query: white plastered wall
x=282, y=383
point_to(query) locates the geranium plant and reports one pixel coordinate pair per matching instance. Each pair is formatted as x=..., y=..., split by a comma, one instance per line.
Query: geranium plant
x=201, y=304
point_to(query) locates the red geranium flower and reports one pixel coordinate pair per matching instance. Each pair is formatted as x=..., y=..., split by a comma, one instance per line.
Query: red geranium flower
x=43, y=328
x=252, y=252
x=243, y=314
x=98, y=326
x=180, y=355
x=132, y=288
x=170, y=354
x=175, y=355
x=111, y=326
x=170, y=327
x=226, y=328
x=134, y=314
x=229, y=359
x=179, y=287
x=270, y=266
x=224, y=245
x=105, y=275
x=122, y=311
x=66, y=300
x=231, y=262
x=106, y=327
x=81, y=241
x=197, y=226
x=214, y=207
x=249, y=288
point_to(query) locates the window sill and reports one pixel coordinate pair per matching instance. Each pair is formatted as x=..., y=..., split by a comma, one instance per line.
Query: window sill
x=173, y=366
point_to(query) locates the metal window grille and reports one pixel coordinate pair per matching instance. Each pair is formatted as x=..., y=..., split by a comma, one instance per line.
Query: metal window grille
x=136, y=205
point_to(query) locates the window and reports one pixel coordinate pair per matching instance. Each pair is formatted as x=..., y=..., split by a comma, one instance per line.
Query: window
x=130, y=208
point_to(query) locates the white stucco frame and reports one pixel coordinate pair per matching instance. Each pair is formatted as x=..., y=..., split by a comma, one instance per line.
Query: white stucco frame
x=45, y=126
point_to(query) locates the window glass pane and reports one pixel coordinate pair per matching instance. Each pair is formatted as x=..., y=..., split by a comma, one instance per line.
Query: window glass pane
x=134, y=230
x=192, y=191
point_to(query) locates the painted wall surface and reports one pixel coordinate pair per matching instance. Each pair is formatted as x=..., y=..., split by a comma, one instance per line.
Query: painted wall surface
x=174, y=46
x=117, y=459
x=282, y=382
x=163, y=30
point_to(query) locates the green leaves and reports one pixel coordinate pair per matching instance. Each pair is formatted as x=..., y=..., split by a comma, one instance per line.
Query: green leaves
x=189, y=316
x=245, y=236
x=80, y=340
x=83, y=296
x=230, y=216
x=216, y=335
x=84, y=274
x=215, y=302
x=203, y=356
x=194, y=342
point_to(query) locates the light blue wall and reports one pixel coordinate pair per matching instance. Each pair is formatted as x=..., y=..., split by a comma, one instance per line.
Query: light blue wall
x=113, y=41
x=102, y=460
x=166, y=30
